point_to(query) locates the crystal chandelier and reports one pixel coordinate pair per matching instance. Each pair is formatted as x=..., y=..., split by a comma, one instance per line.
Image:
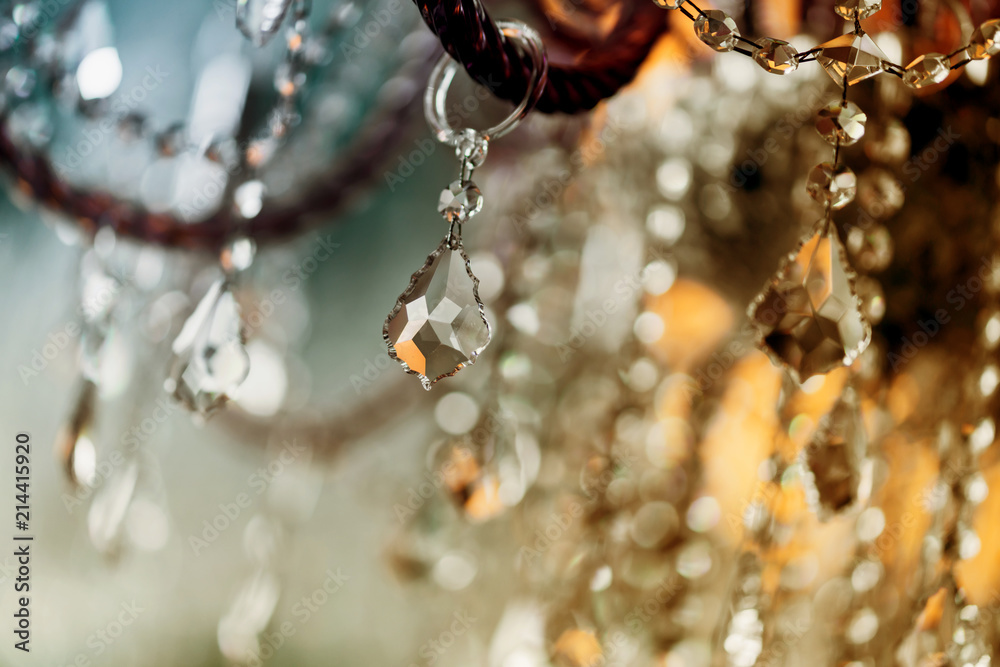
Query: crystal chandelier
x=734, y=331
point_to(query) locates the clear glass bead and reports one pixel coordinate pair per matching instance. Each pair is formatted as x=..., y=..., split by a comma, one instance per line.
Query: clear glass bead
x=776, y=56
x=238, y=254
x=171, y=141
x=669, y=4
x=872, y=298
x=471, y=148
x=927, y=70
x=258, y=20
x=209, y=360
x=248, y=199
x=860, y=9
x=460, y=201
x=842, y=122
x=880, y=193
x=832, y=185
x=717, y=29
x=985, y=40
x=870, y=248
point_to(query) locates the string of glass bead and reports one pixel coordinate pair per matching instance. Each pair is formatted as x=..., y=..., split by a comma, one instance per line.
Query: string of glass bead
x=852, y=55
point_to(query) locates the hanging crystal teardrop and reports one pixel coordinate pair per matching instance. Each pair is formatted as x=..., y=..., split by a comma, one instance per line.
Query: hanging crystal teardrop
x=808, y=316
x=74, y=445
x=833, y=461
x=259, y=20
x=438, y=325
x=209, y=359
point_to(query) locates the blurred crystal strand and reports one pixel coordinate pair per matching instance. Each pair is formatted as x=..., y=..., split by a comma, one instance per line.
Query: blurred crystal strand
x=74, y=445
x=836, y=473
x=742, y=633
x=930, y=635
x=259, y=20
x=106, y=516
x=971, y=644
x=100, y=295
x=490, y=469
x=240, y=628
x=209, y=358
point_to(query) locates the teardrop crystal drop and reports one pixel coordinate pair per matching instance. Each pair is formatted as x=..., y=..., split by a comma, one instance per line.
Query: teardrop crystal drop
x=808, y=316
x=438, y=325
x=259, y=20
x=833, y=461
x=209, y=359
x=74, y=445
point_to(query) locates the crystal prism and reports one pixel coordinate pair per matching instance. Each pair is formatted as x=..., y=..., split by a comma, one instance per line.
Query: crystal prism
x=808, y=317
x=831, y=185
x=209, y=359
x=856, y=9
x=717, y=29
x=460, y=201
x=852, y=56
x=776, y=56
x=833, y=461
x=669, y=4
x=927, y=70
x=438, y=325
x=985, y=40
x=841, y=122
x=259, y=20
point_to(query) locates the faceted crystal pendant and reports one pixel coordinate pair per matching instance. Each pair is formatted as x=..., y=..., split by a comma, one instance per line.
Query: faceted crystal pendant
x=776, y=56
x=927, y=70
x=833, y=461
x=985, y=40
x=855, y=57
x=841, y=122
x=459, y=202
x=860, y=9
x=831, y=185
x=209, y=359
x=438, y=325
x=717, y=29
x=259, y=20
x=808, y=316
